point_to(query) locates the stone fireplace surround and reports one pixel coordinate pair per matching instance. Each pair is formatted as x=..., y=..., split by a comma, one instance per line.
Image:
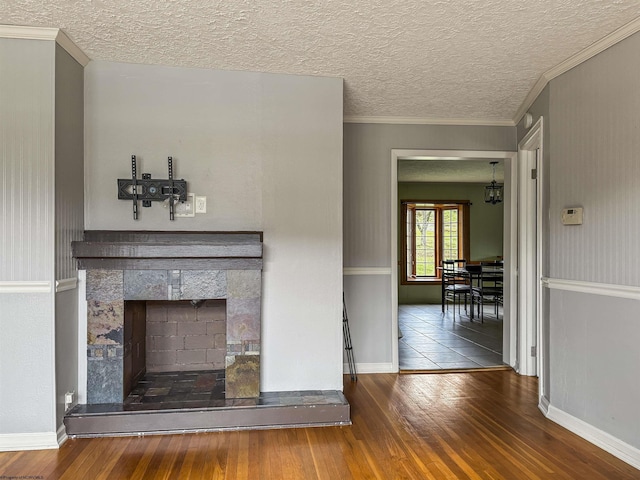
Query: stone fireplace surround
x=173, y=266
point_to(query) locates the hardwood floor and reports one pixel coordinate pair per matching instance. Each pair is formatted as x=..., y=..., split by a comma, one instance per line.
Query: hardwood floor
x=483, y=425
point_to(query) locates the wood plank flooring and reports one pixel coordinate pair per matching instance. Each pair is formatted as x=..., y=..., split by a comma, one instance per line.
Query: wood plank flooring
x=482, y=425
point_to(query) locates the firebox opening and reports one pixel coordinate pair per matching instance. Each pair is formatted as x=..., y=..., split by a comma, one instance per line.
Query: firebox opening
x=171, y=344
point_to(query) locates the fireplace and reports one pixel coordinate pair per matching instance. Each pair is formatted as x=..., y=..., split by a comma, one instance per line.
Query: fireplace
x=171, y=301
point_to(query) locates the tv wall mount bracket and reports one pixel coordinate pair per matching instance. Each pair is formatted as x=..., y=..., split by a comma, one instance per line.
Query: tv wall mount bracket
x=147, y=189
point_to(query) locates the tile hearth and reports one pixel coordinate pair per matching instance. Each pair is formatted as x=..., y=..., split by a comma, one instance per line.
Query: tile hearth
x=179, y=402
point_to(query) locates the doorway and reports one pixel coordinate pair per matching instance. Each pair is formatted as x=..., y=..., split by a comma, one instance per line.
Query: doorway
x=509, y=247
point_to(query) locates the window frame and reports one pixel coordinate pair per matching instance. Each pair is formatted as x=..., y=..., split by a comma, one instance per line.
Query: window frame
x=463, y=207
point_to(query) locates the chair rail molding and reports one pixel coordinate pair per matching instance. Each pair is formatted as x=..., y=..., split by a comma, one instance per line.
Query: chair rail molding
x=28, y=286
x=607, y=289
x=366, y=271
x=65, y=284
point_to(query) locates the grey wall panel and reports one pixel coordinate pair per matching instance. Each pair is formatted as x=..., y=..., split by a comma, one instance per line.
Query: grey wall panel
x=367, y=177
x=594, y=361
x=66, y=338
x=594, y=145
x=26, y=356
x=26, y=168
x=69, y=160
x=69, y=224
x=368, y=302
x=209, y=121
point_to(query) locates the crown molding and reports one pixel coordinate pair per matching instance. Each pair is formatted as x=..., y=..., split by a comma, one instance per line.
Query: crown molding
x=428, y=121
x=573, y=61
x=72, y=49
x=28, y=33
x=46, y=33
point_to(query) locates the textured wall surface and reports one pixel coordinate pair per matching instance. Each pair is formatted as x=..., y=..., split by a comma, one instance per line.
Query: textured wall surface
x=594, y=164
x=410, y=58
x=69, y=160
x=26, y=166
x=26, y=235
x=594, y=148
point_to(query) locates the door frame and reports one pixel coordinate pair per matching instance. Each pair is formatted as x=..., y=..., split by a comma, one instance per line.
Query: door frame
x=530, y=251
x=510, y=340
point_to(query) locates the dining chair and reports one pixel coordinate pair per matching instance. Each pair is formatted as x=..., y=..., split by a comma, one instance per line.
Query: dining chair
x=455, y=284
x=489, y=288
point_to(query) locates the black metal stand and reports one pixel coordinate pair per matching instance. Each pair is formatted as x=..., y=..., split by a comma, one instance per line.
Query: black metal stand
x=347, y=342
x=149, y=190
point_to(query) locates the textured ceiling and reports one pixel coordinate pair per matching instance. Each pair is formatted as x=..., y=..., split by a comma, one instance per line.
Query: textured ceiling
x=449, y=171
x=453, y=59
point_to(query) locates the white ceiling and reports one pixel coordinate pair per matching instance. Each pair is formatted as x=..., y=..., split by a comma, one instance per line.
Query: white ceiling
x=450, y=59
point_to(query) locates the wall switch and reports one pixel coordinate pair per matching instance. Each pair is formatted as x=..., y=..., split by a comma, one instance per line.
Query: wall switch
x=185, y=209
x=201, y=204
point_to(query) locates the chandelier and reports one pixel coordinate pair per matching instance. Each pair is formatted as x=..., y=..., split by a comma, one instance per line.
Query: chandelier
x=493, y=192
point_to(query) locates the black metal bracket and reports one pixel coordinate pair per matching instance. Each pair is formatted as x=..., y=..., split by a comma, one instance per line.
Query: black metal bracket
x=149, y=189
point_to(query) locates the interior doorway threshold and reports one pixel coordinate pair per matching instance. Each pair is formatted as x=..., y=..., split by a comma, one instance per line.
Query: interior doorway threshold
x=405, y=371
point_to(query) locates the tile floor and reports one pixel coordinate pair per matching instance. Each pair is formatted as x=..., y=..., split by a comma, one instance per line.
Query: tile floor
x=431, y=340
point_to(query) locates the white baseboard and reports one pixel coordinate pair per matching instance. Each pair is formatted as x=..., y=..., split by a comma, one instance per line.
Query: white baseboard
x=12, y=442
x=62, y=435
x=616, y=447
x=370, y=368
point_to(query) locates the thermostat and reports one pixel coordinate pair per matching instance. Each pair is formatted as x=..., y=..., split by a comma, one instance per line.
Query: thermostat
x=572, y=216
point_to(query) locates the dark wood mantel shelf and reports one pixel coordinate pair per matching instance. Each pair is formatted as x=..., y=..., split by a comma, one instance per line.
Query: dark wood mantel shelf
x=151, y=250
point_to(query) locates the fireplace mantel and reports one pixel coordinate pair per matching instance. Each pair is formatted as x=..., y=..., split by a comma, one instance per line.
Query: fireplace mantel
x=154, y=250
x=172, y=266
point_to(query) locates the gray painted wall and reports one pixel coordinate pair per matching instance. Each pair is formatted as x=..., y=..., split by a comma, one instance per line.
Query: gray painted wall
x=367, y=217
x=69, y=160
x=69, y=216
x=27, y=204
x=26, y=126
x=486, y=229
x=266, y=151
x=594, y=146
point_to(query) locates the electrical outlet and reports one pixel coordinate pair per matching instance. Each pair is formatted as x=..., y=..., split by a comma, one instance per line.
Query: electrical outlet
x=201, y=204
x=69, y=398
x=185, y=209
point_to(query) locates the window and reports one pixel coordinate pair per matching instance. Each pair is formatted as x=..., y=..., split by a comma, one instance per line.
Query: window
x=432, y=231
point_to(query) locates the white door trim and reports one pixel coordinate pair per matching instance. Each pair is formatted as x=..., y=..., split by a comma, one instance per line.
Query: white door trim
x=530, y=251
x=510, y=279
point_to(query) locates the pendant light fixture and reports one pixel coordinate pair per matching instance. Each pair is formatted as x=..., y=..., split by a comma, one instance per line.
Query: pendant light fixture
x=493, y=192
